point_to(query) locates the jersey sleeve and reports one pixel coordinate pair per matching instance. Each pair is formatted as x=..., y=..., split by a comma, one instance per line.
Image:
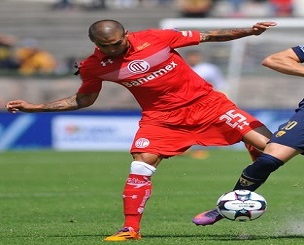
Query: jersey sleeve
x=91, y=83
x=299, y=51
x=177, y=39
x=90, y=87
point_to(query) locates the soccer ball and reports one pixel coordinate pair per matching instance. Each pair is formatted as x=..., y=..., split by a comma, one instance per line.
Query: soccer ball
x=241, y=205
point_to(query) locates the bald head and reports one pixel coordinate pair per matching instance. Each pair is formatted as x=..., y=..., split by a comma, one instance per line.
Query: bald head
x=105, y=29
x=110, y=37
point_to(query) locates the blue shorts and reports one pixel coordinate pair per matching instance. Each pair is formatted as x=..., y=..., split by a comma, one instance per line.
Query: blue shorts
x=291, y=133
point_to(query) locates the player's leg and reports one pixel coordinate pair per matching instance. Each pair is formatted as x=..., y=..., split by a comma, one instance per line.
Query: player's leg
x=255, y=141
x=137, y=191
x=253, y=152
x=255, y=174
x=138, y=188
x=237, y=123
x=151, y=144
x=285, y=143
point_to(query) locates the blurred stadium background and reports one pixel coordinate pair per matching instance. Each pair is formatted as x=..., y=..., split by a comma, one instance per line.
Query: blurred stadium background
x=63, y=32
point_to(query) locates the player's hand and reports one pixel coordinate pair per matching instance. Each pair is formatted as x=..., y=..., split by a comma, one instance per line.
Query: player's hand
x=19, y=105
x=260, y=27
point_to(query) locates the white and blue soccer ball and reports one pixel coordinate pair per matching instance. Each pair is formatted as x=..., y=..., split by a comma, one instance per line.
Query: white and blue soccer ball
x=241, y=205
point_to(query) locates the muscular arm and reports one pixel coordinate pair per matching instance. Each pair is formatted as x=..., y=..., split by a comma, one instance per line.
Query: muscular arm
x=286, y=62
x=231, y=34
x=71, y=103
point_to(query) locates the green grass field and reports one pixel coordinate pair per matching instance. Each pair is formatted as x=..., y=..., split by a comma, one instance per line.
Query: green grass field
x=64, y=198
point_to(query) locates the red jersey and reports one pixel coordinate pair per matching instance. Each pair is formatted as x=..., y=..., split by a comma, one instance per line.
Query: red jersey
x=151, y=70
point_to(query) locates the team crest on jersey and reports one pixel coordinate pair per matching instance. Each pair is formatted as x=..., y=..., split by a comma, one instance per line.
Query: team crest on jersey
x=280, y=133
x=138, y=66
x=108, y=61
x=142, y=143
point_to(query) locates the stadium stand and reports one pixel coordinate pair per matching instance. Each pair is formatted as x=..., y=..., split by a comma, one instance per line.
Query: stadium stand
x=64, y=34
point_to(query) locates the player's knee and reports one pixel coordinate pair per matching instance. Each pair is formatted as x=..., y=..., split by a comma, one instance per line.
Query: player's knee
x=148, y=158
x=263, y=166
x=142, y=168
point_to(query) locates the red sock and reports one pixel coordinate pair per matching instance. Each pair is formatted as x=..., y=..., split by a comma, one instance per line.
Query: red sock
x=137, y=191
x=254, y=153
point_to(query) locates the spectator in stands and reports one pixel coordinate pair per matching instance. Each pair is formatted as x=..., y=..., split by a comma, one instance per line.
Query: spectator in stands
x=32, y=60
x=212, y=74
x=99, y=4
x=126, y=3
x=7, y=44
x=165, y=2
x=281, y=8
x=236, y=6
x=195, y=8
x=63, y=5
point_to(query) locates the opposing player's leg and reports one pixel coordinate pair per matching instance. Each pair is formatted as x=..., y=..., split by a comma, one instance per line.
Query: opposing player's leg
x=254, y=175
x=207, y=218
x=255, y=141
x=285, y=143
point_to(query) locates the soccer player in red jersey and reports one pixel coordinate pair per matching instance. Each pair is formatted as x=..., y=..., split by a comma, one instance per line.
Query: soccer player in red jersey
x=179, y=108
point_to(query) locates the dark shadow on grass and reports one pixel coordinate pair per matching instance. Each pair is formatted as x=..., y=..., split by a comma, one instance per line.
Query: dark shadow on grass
x=56, y=236
x=251, y=237
x=228, y=237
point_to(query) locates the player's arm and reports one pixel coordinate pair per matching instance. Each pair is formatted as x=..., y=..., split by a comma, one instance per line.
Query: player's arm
x=231, y=34
x=71, y=103
x=286, y=61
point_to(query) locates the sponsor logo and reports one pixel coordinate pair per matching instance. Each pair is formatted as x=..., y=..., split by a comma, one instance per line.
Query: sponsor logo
x=143, y=46
x=108, y=61
x=245, y=182
x=142, y=143
x=138, y=66
x=167, y=68
x=136, y=183
x=187, y=33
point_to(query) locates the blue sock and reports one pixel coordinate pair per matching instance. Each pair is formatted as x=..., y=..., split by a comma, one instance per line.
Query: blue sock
x=255, y=174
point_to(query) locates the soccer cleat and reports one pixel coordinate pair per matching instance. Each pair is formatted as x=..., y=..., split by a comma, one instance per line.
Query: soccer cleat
x=207, y=218
x=126, y=233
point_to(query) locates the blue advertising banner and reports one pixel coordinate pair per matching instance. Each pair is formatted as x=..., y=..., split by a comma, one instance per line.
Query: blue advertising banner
x=107, y=130
x=82, y=130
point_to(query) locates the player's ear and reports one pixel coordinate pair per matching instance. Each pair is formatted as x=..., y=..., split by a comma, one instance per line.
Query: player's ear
x=126, y=33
